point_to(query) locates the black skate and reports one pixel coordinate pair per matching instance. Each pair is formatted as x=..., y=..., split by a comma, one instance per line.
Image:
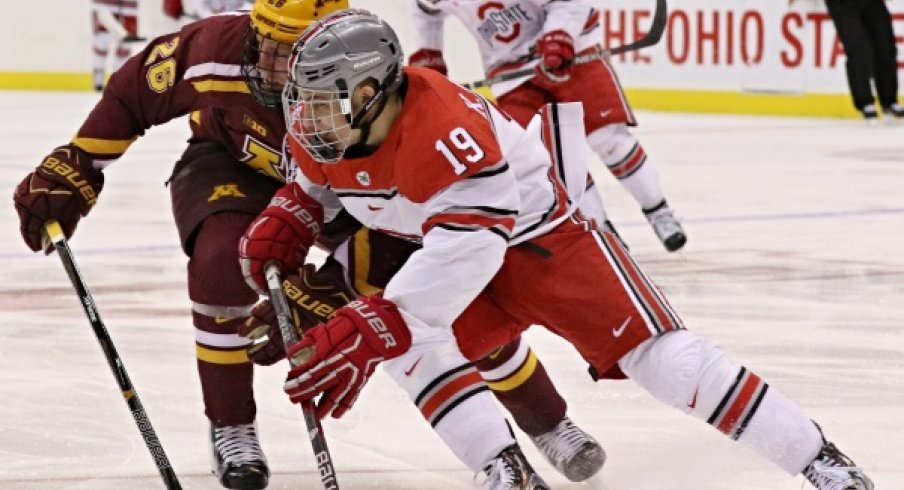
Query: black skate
x=510, y=471
x=833, y=470
x=573, y=452
x=237, y=459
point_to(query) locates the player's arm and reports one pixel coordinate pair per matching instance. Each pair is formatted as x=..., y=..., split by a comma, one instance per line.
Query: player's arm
x=564, y=22
x=428, y=22
x=471, y=213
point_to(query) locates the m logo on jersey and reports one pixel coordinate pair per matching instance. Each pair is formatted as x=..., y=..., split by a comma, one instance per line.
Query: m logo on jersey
x=501, y=23
x=264, y=159
x=225, y=190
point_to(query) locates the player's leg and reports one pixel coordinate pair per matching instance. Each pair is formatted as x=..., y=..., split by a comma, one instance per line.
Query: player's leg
x=520, y=382
x=455, y=400
x=627, y=326
x=214, y=199
x=607, y=117
x=100, y=43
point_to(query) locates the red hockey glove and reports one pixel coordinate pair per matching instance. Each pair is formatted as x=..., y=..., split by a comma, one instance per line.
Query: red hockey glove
x=429, y=58
x=283, y=233
x=173, y=8
x=64, y=187
x=338, y=357
x=556, y=50
x=313, y=297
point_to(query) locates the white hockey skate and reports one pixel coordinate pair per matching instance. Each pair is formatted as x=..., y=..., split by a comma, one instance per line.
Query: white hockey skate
x=575, y=453
x=833, y=470
x=237, y=459
x=510, y=471
x=667, y=227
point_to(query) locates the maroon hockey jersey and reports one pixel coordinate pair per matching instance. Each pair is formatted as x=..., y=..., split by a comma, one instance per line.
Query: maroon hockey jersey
x=195, y=71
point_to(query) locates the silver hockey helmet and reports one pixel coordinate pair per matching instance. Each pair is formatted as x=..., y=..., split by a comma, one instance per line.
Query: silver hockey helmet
x=331, y=59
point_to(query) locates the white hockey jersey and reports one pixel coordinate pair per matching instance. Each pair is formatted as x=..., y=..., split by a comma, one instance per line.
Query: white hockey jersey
x=462, y=178
x=506, y=30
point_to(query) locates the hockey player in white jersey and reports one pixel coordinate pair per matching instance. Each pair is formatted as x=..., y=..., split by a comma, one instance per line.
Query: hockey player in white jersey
x=547, y=34
x=409, y=153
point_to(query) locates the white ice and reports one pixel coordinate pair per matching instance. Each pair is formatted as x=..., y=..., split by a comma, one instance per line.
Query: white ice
x=794, y=266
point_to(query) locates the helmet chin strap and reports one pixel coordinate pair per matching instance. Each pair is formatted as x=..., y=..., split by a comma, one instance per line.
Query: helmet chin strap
x=376, y=103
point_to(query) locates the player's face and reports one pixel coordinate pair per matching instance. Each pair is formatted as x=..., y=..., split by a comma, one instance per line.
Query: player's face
x=320, y=121
x=272, y=64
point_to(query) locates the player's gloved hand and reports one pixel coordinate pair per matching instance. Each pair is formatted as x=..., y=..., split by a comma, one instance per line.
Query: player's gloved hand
x=173, y=8
x=556, y=50
x=338, y=357
x=313, y=297
x=429, y=58
x=282, y=234
x=63, y=187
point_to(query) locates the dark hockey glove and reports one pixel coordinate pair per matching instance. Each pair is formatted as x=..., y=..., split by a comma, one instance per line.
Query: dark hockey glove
x=338, y=357
x=63, y=187
x=313, y=297
x=283, y=233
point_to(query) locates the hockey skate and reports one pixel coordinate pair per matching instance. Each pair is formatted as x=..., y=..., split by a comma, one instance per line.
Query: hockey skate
x=870, y=114
x=833, y=470
x=509, y=470
x=893, y=112
x=667, y=227
x=573, y=452
x=237, y=459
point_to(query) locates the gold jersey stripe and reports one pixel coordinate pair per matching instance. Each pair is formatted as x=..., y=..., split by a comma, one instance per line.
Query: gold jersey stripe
x=362, y=263
x=100, y=146
x=221, y=86
x=518, y=377
x=221, y=356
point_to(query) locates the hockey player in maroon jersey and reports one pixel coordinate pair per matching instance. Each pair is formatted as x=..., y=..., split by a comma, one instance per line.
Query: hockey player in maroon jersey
x=409, y=153
x=547, y=34
x=227, y=73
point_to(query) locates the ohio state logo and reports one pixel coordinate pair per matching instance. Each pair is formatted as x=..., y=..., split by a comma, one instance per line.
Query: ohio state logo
x=501, y=23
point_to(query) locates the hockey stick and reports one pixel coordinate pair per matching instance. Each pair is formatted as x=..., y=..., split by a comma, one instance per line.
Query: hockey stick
x=322, y=454
x=53, y=234
x=657, y=28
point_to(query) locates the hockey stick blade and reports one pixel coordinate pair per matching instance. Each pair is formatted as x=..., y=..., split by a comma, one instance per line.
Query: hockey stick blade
x=322, y=454
x=657, y=28
x=53, y=235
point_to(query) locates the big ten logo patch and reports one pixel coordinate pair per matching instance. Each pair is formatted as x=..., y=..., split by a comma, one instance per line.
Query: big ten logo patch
x=254, y=125
x=225, y=190
x=500, y=22
x=262, y=158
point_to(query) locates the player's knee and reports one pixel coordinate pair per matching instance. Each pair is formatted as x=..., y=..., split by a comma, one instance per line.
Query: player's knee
x=214, y=274
x=682, y=370
x=613, y=143
x=435, y=377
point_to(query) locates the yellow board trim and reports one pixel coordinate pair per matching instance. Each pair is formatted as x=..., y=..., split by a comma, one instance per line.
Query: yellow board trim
x=26, y=80
x=99, y=146
x=519, y=377
x=221, y=356
x=755, y=103
x=222, y=86
x=695, y=101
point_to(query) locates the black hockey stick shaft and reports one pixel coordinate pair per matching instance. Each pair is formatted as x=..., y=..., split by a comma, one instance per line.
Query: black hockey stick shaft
x=322, y=454
x=657, y=28
x=54, y=234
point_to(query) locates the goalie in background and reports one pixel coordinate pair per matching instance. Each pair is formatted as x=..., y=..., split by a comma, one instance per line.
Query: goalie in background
x=112, y=22
x=513, y=35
